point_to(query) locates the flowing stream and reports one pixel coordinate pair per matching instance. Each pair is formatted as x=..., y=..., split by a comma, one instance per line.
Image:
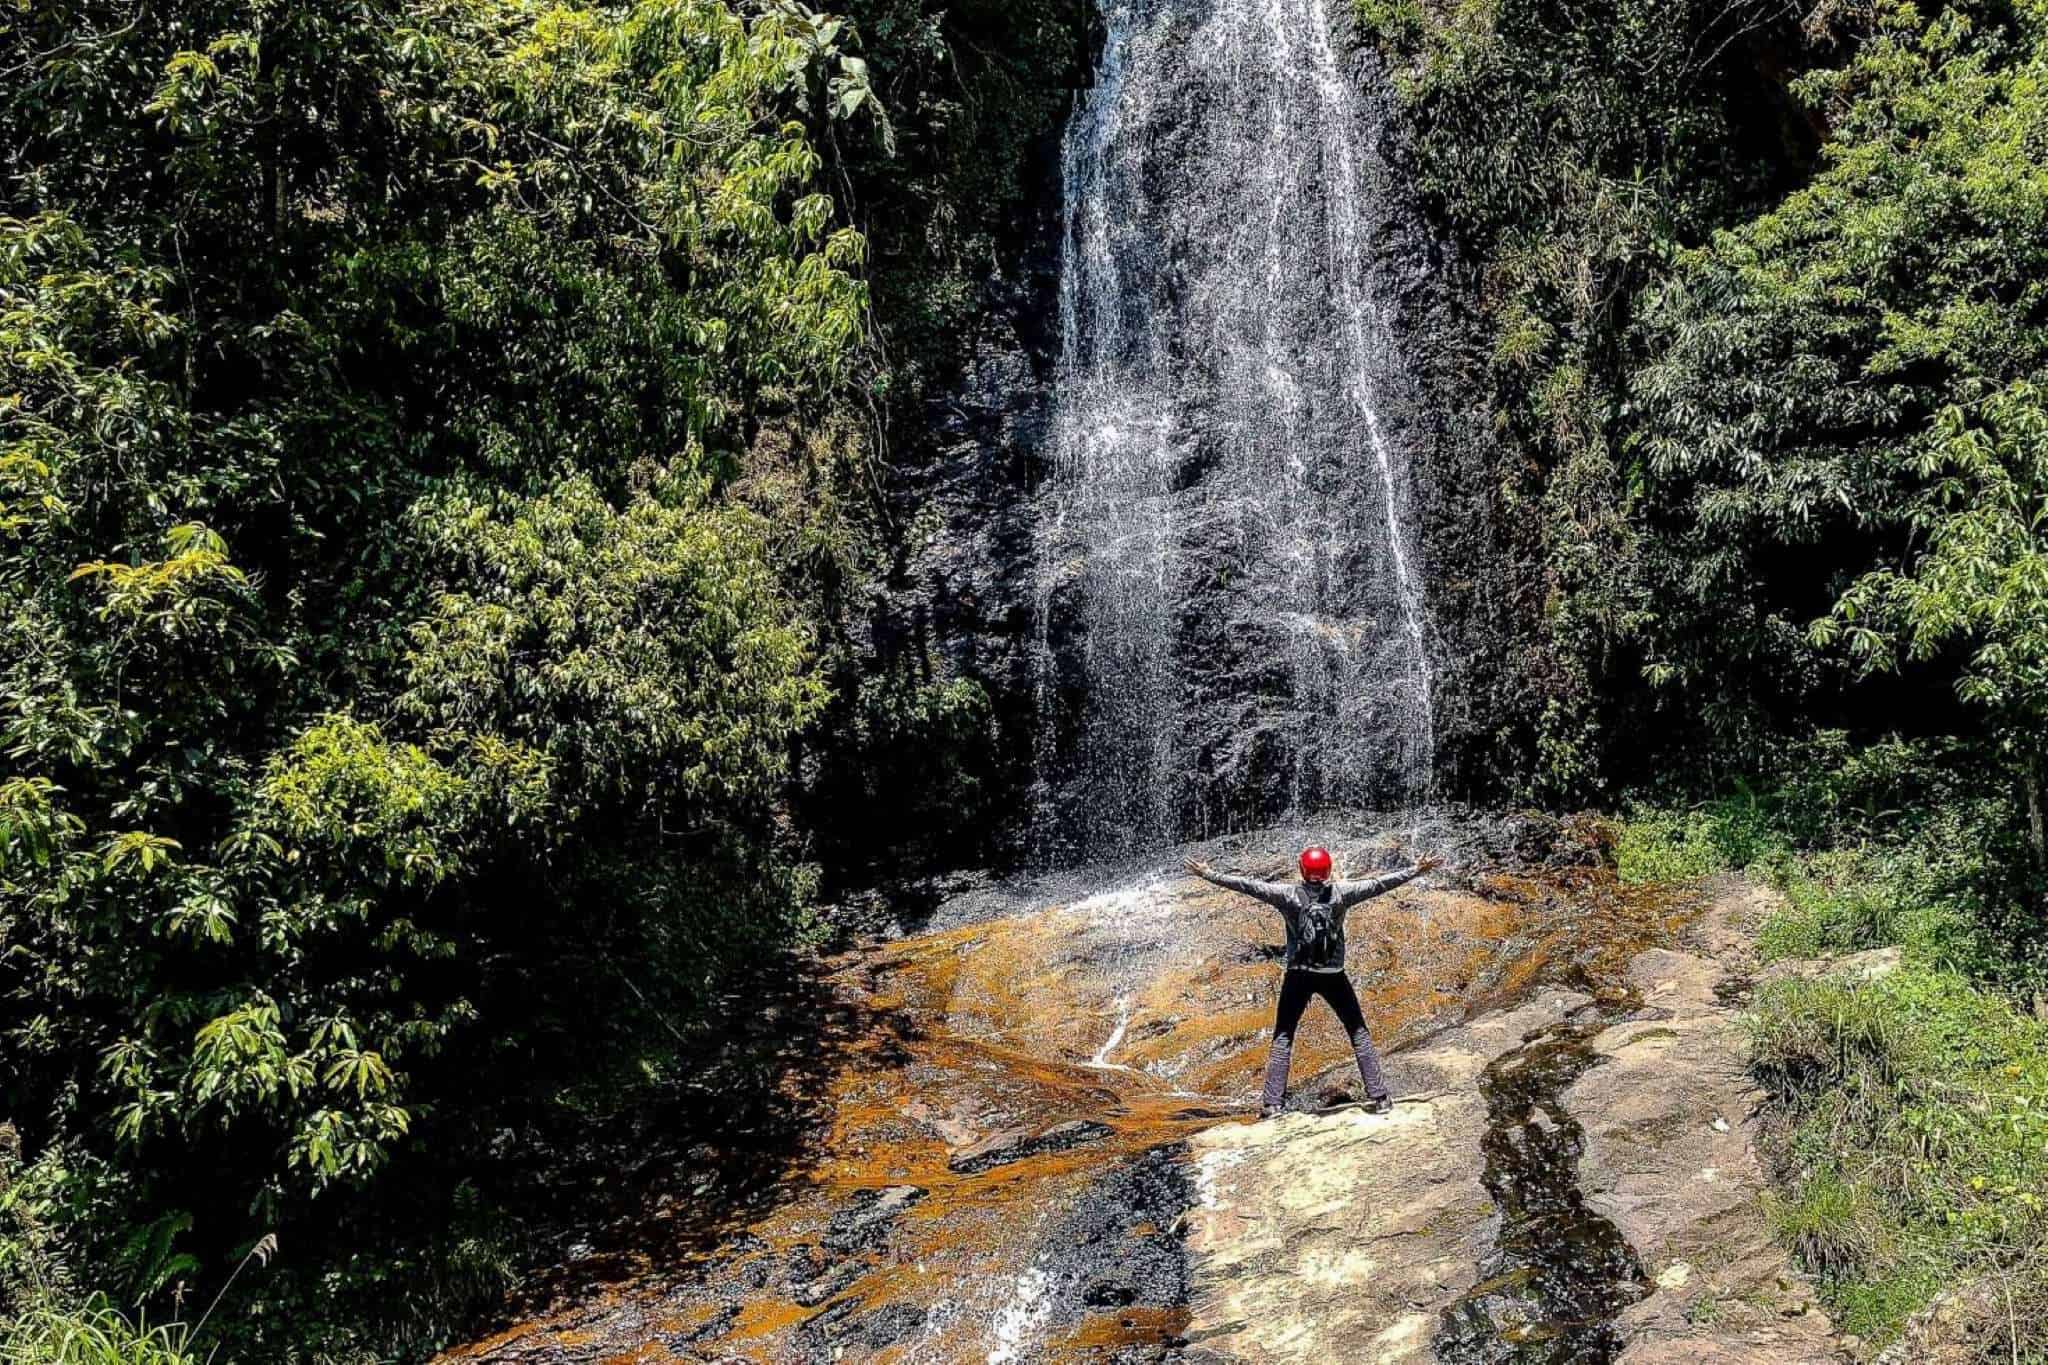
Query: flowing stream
x=1560, y=1274
x=1231, y=619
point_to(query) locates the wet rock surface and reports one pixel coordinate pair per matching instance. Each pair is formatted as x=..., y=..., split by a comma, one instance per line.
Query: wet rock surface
x=1110, y=1278
x=1670, y=1118
x=1032, y=1143
x=1016, y=1144
x=866, y=1219
x=1576, y=1182
x=1511, y=858
x=1341, y=1237
x=974, y=593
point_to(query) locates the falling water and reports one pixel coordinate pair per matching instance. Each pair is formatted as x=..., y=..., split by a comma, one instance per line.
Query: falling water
x=1231, y=623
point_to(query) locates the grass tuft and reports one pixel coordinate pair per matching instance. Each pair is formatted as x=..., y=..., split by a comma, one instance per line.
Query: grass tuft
x=1835, y=1225
x=93, y=1334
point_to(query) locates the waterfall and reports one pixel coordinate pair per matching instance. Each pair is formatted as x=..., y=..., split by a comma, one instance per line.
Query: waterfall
x=1231, y=625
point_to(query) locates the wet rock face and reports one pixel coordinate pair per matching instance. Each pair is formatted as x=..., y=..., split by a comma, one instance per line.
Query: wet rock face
x=865, y=1220
x=1033, y=1144
x=961, y=594
x=958, y=600
x=1340, y=1237
x=1016, y=1144
x=1188, y=712
x=1115, y=1260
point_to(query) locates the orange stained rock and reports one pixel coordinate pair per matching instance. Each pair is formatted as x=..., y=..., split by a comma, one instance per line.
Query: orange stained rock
x=1146, y=1010
x=1125, y=1327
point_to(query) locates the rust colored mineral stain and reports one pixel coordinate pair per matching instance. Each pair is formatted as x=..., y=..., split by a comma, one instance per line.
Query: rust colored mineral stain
x=1006, y=1021
x=1106, y=1332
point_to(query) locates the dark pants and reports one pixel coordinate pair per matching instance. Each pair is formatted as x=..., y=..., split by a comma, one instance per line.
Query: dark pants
x=1295, y=989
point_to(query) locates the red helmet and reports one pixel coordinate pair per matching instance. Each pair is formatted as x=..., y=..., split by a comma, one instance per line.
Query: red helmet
x=1315, y=863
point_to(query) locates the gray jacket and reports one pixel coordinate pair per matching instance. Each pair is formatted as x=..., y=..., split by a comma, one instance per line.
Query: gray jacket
x=1294, y=899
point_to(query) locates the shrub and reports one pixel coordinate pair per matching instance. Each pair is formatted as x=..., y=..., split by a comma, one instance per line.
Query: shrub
x=1828, y=1038
x=1913, y=1139
x=1676, y=846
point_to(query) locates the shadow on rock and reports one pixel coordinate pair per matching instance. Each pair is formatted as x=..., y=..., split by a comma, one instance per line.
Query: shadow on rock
x=682, y=1176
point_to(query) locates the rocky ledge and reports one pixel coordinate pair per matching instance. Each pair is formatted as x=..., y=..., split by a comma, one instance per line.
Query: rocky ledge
x=1343, y=1236
x=1357, y=1237
x=1022, y=1150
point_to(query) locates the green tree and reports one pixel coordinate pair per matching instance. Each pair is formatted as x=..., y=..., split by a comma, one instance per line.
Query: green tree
x=1978, y=577
x=1843, y=412
x=387, y=667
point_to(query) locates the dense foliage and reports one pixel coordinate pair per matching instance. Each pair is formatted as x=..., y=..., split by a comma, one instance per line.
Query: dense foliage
x=390, y=670
x=1761, y=351
x=1567, y=149
x=1846, y=388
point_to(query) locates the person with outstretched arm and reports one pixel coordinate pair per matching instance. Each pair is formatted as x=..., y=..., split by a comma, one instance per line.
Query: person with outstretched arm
x=1314, y=909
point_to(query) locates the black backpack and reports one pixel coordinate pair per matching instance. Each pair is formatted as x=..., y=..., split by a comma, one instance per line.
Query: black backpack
x=1318, y=935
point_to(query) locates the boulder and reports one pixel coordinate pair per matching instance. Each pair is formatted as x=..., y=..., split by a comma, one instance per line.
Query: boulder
x=865, y=1221
x=1872, y=964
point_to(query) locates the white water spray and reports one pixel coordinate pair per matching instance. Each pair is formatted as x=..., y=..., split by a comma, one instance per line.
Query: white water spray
x=1116, y=1037
x=1021, y=1320
x=1224, y=551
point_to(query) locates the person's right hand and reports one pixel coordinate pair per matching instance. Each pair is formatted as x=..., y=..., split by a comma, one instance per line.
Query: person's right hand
x=1197, y=866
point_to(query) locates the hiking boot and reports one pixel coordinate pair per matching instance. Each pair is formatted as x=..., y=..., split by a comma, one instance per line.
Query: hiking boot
x=1379, y=1104
x=1271, y=1111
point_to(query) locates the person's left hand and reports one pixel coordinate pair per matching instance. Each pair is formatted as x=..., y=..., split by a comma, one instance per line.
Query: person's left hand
x=1429, y=864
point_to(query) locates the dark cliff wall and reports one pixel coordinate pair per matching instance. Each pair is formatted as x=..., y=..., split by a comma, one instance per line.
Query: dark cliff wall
x=1481, y=565
x=1482, y=557
x=953, y=600
x=923, y=760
